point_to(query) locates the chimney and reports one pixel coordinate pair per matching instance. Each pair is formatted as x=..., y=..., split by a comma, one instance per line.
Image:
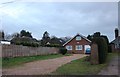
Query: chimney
x=116, y=32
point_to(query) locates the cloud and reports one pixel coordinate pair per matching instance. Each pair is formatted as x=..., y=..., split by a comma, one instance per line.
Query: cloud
x=62, y=19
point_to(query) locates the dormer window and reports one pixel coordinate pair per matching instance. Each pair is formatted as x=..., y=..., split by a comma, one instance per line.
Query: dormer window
x=78, y=38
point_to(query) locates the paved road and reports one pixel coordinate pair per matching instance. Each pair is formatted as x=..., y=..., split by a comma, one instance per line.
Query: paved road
x=41, y=67
x=112, y=68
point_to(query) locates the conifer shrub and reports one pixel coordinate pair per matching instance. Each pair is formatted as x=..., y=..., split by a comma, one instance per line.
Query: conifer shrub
x=31, y=44
x=102, y=48
x=53, y=45
x=109, y=49
x=63, y=51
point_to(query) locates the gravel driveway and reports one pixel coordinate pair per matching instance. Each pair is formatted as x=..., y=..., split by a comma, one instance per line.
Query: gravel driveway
x=41, y=67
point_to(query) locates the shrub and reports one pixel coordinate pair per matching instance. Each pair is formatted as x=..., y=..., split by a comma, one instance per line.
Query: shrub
x=109, y=49
x=18, y=43
x=102, y=48
x=53, y=45
x=63, y=51
x=106, y=39
x=32, y=44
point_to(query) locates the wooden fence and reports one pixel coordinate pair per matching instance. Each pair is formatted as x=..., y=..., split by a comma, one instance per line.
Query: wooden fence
x=19, y=50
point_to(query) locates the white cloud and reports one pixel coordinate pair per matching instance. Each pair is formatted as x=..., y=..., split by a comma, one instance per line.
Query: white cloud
x=61, y=19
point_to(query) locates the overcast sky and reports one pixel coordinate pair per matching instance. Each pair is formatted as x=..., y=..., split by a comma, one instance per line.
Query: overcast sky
x=60, y=18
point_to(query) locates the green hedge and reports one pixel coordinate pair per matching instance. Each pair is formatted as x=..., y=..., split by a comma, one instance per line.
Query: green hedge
x=109, y=49
x=102, y=48
x=63, y=51
x=53, y=45
x=32, y=44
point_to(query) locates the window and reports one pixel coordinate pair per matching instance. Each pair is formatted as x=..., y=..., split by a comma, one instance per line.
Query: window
x=78, y=38
x=69, y=47
x=78, y=47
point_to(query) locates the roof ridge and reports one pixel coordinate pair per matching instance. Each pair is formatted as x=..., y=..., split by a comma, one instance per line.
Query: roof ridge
x=75, y=36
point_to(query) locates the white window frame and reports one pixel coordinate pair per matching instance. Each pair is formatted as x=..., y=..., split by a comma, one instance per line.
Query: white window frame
x=69, y=47
x=78, y=38
x=79, y=47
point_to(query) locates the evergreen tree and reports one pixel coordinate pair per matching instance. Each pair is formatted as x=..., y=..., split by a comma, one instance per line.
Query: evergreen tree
x=45, y=38
x=97, y=34
x=24, y=33
x=2, y=35
x=89, y=37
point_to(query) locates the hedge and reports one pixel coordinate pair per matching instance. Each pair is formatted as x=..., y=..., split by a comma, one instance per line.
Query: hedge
x=63, y=51
x=102, y=48
x=32, y=44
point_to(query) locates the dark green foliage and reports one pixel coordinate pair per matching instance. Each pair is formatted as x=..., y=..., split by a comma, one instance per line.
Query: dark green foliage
x=2, y=35
x=53, y=45
x=89, y=37
x=25, y=33
x=116, y=32
x=25, y=41
x=109, y=49
x=103, y=45
x=18, y=43
x=51, y=41
x=63, y=51
x=45, y=38
x=55, y=40
x=97, y=34
x=102, y=48
x=106, y=38
x=28, y=44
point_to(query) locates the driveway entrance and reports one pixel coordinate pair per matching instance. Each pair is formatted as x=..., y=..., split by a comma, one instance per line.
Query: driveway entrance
x=41, y=67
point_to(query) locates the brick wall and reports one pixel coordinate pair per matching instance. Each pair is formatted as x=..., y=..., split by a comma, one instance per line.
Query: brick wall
x=18, y=50
x=75, y=42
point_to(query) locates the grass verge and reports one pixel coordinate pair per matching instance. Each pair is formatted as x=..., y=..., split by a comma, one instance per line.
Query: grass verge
x=82, y=67
x=10, y=62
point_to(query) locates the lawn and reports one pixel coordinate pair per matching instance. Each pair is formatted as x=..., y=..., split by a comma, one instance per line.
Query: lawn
x=10, y=62
x=82, y=67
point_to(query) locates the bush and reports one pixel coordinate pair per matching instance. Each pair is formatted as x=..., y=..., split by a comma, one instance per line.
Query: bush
x=102, y=48
x=32, y=44
x=53, y=45
x=106, y=38
x=63, y=51
x=109, y=49
x=18, y=43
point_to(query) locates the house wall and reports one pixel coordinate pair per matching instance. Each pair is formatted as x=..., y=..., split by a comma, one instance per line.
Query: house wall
x=74, y=42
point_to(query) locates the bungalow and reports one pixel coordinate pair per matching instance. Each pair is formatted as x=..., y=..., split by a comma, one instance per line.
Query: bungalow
x=77, y=44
